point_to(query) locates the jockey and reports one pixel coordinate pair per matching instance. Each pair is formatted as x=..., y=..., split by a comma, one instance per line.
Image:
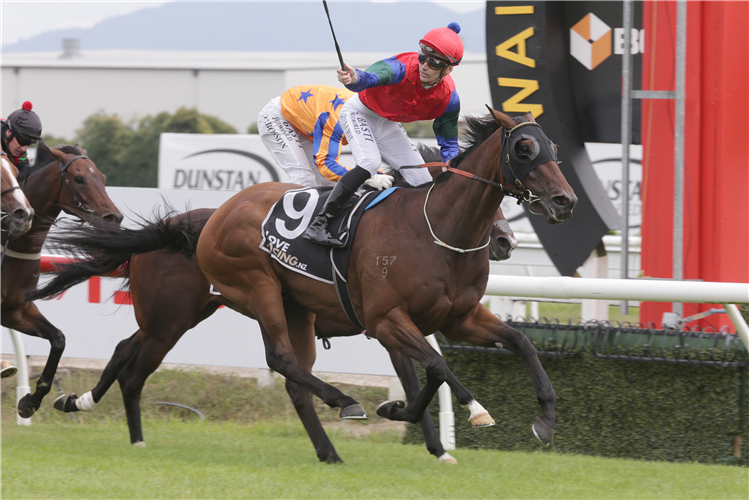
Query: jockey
x=302, y=123
x=404, y=88
x=20, y=130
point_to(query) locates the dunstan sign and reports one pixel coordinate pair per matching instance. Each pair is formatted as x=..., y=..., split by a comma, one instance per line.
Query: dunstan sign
x=215, y=162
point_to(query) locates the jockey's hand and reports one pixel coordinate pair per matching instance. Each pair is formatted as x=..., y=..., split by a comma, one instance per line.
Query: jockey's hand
x=380, y=181
x=348, y=77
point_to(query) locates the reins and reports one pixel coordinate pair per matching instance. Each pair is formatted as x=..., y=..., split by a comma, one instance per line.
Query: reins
x=522, y=194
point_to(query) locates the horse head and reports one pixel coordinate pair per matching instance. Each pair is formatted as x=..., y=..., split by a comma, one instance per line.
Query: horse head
x=84, y=191
x=529, y=165
x=16, y=209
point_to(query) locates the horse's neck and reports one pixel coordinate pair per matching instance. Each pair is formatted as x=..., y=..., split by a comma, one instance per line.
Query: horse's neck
x=467, y=207
x=41, y=189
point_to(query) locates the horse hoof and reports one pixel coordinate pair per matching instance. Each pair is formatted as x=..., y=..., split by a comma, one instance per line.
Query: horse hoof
x=140, y=444
x=543, y=433
x=387, y=409
x=354, y=412
x=482, y=420
x=25, y=407
x=446, y=458
x=330, y=459
x=66, y=403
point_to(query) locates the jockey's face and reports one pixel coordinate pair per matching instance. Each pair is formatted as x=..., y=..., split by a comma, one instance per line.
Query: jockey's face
x=430, y=76
x=14, y=148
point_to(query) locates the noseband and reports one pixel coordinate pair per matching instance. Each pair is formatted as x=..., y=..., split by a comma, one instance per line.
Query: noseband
x=64, y=179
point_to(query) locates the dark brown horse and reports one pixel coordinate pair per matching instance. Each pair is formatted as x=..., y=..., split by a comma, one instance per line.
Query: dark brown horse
x=423, y=288
x=66, y=180
x=162, y=281
x=17, y=213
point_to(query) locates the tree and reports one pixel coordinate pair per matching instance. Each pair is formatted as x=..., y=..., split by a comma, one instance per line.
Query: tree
x=129, y=154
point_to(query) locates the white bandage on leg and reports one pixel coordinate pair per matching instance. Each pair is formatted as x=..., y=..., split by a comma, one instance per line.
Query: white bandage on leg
x=85, y=402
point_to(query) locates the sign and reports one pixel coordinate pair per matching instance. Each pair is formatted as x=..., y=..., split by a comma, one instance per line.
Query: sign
x=217, y=162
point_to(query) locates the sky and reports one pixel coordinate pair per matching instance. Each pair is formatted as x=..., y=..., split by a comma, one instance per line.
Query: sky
x=26, y=18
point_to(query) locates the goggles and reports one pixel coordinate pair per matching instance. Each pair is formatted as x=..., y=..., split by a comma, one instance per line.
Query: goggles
x=23, y=141
x=20, y=138
x=433, y=63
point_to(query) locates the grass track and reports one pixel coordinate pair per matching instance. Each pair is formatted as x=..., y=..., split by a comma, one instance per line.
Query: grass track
x=261, y=460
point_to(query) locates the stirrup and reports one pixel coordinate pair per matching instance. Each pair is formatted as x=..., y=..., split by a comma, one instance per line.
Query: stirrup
x=319, y=233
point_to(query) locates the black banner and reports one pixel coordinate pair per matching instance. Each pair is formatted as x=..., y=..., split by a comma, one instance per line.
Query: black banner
x=558, y=60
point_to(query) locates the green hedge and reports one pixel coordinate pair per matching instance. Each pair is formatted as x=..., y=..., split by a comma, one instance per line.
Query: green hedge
x=604, y=408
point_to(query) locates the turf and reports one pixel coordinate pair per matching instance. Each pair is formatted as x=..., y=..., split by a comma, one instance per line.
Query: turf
x=193, y=459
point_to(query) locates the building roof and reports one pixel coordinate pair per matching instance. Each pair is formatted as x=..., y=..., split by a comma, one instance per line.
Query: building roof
x=197, y=60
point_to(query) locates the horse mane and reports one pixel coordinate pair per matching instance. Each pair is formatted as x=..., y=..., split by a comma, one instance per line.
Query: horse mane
x=44, y=157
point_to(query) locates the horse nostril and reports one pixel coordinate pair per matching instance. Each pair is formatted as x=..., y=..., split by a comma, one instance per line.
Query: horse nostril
x=114, y=218
x=561, y=201
x=20, y=214
x=503, y=243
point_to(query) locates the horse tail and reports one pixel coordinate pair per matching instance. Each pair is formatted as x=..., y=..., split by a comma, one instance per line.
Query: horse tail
x=103, y=248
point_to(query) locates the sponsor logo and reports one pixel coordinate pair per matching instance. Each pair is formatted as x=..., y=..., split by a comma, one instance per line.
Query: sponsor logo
x=592, y=41
x=279, y=248
x=228, y=180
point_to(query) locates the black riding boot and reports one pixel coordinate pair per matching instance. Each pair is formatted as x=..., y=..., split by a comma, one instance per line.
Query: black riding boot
x=318, y=230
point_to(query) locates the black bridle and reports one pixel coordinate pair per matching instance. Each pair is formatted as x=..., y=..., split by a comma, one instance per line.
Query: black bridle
x=521, y=193
x=64, y=179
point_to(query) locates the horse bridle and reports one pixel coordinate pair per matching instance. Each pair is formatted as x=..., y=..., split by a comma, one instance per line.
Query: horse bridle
x=64, y=179
x=522, y=193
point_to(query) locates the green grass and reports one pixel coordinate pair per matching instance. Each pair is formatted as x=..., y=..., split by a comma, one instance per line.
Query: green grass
x=263, y=460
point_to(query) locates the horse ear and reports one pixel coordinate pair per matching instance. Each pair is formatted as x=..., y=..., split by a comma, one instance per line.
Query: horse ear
x=501, y=118
x=58, y=155
x=529, y=116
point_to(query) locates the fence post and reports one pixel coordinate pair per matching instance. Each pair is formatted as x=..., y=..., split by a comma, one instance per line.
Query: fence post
x=23, y=387
x=447, y=417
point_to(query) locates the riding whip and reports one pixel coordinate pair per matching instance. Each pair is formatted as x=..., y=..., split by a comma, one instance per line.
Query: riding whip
x=337, y=48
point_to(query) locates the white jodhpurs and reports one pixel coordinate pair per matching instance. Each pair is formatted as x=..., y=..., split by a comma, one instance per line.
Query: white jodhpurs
x=371, y=137
x=290, y=150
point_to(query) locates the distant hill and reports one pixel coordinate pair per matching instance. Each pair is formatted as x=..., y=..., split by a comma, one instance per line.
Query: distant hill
x=269, y=26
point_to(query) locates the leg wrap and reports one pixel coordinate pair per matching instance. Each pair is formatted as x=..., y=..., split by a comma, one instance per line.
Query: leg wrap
x=85, y=402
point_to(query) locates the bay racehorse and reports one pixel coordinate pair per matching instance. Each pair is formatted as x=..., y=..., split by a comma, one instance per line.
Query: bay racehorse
x=161, y=281
x=62, y=179
x=423, y=287
x=17, y=213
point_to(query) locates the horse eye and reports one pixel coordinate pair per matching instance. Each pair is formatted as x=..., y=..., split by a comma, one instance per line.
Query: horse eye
x=79, y=179
x=524, y=149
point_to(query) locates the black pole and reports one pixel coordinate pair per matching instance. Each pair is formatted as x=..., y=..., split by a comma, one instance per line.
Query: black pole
x=337, y=49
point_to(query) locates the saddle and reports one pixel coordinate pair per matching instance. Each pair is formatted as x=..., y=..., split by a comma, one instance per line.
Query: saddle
x=289, y=217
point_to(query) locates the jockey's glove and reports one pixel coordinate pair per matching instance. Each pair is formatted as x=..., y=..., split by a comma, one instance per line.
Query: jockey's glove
x=380, y=181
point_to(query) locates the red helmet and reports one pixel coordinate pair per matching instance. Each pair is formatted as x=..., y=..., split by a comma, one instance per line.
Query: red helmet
x=445, y=42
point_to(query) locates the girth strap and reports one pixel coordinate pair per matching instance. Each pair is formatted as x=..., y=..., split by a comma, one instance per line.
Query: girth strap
x=344, y=297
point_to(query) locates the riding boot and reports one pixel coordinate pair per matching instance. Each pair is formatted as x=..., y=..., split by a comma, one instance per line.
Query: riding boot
x=318, y=230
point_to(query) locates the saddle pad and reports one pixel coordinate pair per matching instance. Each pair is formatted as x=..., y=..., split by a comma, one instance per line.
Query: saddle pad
x=289, y=217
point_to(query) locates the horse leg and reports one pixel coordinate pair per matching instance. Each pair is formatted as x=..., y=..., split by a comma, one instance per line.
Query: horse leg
x=27, y=319
x=406, y=370
x=484, y=329
x=397, y=332
x=122, y=354
x=260, y=296
x=302, y=336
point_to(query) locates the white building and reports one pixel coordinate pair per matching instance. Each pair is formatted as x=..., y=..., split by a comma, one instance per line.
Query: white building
x=66, y=88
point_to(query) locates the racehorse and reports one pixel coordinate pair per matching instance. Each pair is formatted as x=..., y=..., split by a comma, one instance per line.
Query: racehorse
x=421, y=289
x=62, y=179
x=162, y=281
x=17, y=213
